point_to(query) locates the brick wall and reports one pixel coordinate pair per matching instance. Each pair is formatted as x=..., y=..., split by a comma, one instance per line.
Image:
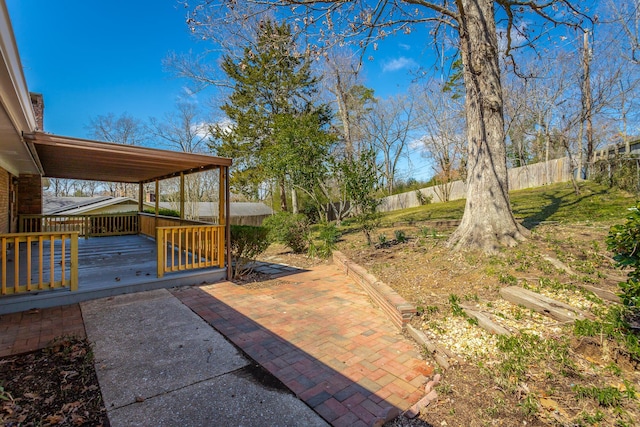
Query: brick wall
x=29, y=194
x=38, y=108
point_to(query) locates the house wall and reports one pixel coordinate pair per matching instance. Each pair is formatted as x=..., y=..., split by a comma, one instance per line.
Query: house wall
x=5, y=182
x=129, y=207
x=29, y=195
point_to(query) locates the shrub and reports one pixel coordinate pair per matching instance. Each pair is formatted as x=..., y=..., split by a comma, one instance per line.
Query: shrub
x=289, y=229
x=423, y=199
x=401, y=237
x=623, y=241
x=328, y=236
x=247, y=242
x=619, y=172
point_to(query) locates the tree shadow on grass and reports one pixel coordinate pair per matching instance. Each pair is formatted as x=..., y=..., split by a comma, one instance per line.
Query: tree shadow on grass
x=554, y=202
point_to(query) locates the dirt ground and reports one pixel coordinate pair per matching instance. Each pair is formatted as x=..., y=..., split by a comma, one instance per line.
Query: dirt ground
x=549, y=375
x=555, y=389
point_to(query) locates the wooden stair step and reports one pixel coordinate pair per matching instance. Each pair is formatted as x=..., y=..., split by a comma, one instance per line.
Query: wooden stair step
x=542, y=304
x=485, y=322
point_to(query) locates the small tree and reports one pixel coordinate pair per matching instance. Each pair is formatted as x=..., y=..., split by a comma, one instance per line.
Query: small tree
x=360, y=178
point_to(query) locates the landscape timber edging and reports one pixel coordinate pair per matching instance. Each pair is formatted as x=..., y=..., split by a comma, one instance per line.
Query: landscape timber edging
x=394, y=306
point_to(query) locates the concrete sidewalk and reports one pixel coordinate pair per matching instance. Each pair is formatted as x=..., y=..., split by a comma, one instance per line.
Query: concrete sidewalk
x=160, y=364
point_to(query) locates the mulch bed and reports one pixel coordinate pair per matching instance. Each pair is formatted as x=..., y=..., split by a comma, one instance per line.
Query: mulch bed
x=55, y=386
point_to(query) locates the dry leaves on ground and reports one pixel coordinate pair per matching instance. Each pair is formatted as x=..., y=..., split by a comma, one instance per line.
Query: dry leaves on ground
x=55, y=386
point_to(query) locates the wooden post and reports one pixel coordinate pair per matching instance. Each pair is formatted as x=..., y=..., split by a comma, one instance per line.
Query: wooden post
x=157, y=207
x=87, y=227
x=140, y=197
x=221, y=197
x=181, y=195
x=160, y=255
x=227, y=221
x=74, y=262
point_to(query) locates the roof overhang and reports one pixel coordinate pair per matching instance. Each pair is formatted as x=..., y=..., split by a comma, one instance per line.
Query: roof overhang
x=16, y=111
x=74, y=158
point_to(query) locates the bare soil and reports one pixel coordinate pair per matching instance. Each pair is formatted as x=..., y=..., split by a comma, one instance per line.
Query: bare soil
x=559, y=258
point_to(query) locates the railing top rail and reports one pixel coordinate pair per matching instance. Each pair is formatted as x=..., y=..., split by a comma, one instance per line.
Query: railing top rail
x=47, y=233
x=202, y=225
x=173, y=218
x=62, y=215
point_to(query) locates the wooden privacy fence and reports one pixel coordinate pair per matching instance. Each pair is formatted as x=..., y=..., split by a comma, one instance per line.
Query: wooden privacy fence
x=86, y=225
x=38, y=261
x=529, y=176
x=189, y=247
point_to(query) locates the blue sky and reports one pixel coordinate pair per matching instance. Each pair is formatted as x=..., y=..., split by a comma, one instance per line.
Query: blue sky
x=91, y=58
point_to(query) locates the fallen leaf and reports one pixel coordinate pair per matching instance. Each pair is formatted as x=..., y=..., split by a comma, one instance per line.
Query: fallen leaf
x=69, y=374
x=55, y=419
x=71, y=407
x=549, y=404
x=553, y=406
x=77, y=419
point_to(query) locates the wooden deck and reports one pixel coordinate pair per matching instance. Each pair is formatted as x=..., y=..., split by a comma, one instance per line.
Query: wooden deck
x=110, y=266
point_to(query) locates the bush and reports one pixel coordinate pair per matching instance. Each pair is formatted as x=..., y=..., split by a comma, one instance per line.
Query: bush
x=247, y=242
x=423, y=199
x=623, y=241
x=289, y=229
x=328, y=236
x=401, y=237
x=619, y=172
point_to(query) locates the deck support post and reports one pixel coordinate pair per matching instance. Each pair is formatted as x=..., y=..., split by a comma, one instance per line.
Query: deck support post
x=181, y=195
x=227, y=221
x=140, y=197
x=157, y=207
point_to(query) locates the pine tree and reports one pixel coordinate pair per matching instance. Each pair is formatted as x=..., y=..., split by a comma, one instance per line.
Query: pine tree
x=277, y=132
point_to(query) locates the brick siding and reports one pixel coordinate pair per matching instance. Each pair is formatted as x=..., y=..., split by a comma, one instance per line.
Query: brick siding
x=29, y=195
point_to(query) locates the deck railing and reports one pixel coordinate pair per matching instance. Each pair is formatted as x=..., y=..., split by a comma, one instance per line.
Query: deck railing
x=86, y=225
x=38, y=261
x=149, y=223
x=189, y=247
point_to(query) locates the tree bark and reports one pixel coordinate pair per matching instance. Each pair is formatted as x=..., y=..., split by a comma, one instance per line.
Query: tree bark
x=488, y=222
x=283, y=195
x=294, y=201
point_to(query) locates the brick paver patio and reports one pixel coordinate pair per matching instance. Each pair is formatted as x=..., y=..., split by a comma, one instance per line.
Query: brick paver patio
x=32, y=330
x=318, y=333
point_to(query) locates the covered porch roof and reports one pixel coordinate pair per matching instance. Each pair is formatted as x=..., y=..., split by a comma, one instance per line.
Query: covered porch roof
x=75, y=158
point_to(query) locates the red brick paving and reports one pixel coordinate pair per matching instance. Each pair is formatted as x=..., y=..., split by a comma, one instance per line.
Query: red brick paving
x=32, y=330
x=319, y=334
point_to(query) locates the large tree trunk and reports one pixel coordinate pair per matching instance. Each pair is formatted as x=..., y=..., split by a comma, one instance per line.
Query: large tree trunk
x=488, y=222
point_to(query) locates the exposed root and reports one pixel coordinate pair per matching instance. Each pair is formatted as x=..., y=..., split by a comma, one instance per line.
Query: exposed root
x=486, y=238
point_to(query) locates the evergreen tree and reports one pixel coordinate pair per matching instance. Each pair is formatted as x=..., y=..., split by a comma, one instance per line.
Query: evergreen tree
x=277, y=132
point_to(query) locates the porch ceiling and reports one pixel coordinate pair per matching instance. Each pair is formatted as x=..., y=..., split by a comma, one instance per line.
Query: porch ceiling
x=74, y=158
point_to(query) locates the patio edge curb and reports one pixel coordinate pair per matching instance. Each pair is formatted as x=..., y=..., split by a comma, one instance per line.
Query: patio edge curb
x=394, y=306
